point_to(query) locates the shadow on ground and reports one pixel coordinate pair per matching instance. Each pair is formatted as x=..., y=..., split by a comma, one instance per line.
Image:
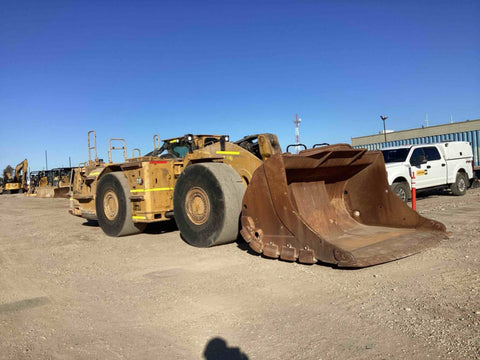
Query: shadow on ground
x=217, y=349
x=161, y=227
x=423, y=194
x=24, y=304
x=92, y=223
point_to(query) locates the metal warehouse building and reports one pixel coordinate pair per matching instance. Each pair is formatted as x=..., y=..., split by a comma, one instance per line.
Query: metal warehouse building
x=460, y=131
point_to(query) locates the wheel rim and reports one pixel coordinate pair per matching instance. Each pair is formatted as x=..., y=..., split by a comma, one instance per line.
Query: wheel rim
x=110, y=205
x=197, y=206
x=401, y=194
x=461, y=184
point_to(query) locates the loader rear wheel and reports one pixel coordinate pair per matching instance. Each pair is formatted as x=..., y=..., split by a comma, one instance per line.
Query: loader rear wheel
x=402, y=190
x=114, y=211
x=459, y=187
x=207, y=203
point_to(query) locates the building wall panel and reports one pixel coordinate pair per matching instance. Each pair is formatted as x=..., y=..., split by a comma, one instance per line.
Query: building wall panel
x=472, y=136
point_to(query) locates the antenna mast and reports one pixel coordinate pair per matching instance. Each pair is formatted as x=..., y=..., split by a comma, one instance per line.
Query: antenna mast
x=297, y=121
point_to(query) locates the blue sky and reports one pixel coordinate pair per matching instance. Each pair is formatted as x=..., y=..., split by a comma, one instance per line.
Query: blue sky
x=133, y=69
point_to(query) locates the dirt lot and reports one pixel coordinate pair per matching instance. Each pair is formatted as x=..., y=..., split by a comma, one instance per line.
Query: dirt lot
x=70, y=292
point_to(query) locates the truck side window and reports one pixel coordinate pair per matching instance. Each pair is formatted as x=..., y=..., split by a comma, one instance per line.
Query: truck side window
x=414, y=159
x=431, y=153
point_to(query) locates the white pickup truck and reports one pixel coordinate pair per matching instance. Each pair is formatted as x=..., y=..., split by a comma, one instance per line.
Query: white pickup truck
x=447, y=164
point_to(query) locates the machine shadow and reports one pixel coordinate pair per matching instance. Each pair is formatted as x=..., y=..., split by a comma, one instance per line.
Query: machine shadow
x=153, y=228
x=217, y=349
x=91, y=223
x=161, y=227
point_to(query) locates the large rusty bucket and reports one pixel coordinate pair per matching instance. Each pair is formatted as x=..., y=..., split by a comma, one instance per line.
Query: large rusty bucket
x=332, y=204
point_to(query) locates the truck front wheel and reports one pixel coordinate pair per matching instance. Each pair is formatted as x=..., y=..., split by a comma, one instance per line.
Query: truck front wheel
x=402, y=190
x=459, y=187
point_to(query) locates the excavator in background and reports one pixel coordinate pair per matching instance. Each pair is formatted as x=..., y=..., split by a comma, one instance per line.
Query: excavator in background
x=330, y=204
x=18, y=182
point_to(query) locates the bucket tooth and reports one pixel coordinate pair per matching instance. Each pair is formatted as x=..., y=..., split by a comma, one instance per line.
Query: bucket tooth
x=256, y=246
x=288, y=253
x=306, y=256
x=270, y=250
x=252, y=235
x=332, y=204
x=246, y=235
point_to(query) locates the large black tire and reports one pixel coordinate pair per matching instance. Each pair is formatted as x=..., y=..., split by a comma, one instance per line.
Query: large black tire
x=402, y=190
x=113, y=206
x=459, y=187
x=207, y=203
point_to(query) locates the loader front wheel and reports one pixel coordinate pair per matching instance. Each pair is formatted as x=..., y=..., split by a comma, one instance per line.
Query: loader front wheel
x=402, y=190
x=207, y=203
x=114, y=210
x=459, y=187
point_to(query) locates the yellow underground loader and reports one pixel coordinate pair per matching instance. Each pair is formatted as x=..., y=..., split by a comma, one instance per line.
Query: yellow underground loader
x=330, y=204
x=199, y=178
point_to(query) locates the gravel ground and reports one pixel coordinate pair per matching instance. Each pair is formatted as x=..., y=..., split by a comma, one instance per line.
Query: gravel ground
x=70, y=292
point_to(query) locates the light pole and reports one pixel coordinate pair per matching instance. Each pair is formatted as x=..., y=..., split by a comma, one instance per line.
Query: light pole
x=384, y=131
x=297, y=122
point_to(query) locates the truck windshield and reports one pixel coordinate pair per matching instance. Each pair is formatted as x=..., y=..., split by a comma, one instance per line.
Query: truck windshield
x=395, y=155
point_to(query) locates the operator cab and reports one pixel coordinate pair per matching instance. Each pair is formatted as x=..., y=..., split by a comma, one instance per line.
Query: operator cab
x=178, y=148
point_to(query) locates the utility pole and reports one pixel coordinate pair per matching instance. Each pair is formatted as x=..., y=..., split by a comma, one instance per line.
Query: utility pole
x=46, y=162
x=297, y=122
x=384, y=129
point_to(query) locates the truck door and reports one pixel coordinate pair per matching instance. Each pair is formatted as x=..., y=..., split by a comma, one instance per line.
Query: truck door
x=416, y=163
x=436, y=166
x=429, y=167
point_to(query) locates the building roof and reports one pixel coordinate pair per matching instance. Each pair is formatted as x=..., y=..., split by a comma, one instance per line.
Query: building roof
x=463, y=126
